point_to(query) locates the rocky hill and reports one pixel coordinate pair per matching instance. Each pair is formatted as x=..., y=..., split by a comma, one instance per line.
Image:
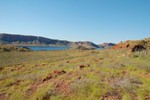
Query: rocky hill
x=81, y=48
x=107, y=45
x=41, y=41
x=136, y=45
x=85, y=45
x=30, y=40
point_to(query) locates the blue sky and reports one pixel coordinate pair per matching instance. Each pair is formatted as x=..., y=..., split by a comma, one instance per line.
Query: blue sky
x=77, y=20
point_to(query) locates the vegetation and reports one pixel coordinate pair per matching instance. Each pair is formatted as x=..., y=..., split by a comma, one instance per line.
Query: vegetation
x=75, y=75
x=9, y=48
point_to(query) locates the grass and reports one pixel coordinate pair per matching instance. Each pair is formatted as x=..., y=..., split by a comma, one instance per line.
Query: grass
x=110, y=74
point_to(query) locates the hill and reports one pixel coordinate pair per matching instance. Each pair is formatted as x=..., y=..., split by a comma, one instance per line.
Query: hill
x=136, y=45
x=40, y=41
x=30, y=40
x=107, y=45
x=84, y=45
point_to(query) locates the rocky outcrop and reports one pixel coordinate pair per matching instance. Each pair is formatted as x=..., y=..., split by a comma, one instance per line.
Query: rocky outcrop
x=134, y=46
x=81, y=48
x=54, y=75
x=83, y=45
x=107, y=45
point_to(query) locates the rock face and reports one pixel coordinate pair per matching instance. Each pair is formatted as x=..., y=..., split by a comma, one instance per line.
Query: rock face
x=134, y=46
x=107, y=45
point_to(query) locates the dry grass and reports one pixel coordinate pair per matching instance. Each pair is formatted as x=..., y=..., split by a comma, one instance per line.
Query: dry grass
x=106, y=74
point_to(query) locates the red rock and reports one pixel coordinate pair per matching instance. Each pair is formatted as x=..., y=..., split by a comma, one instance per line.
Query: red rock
x=54, y=74
x=81, y=66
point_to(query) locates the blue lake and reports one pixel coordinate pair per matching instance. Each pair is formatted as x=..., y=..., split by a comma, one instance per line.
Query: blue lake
x=39, y=48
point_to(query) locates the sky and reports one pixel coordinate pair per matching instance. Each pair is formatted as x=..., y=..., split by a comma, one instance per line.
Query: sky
x=77, y=20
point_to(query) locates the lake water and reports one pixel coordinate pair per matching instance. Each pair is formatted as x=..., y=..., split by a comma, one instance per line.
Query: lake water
x=39, y=48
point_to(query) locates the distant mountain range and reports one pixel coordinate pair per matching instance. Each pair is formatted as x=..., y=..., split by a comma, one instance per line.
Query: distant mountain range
x=30, y=40
x=13, y=39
